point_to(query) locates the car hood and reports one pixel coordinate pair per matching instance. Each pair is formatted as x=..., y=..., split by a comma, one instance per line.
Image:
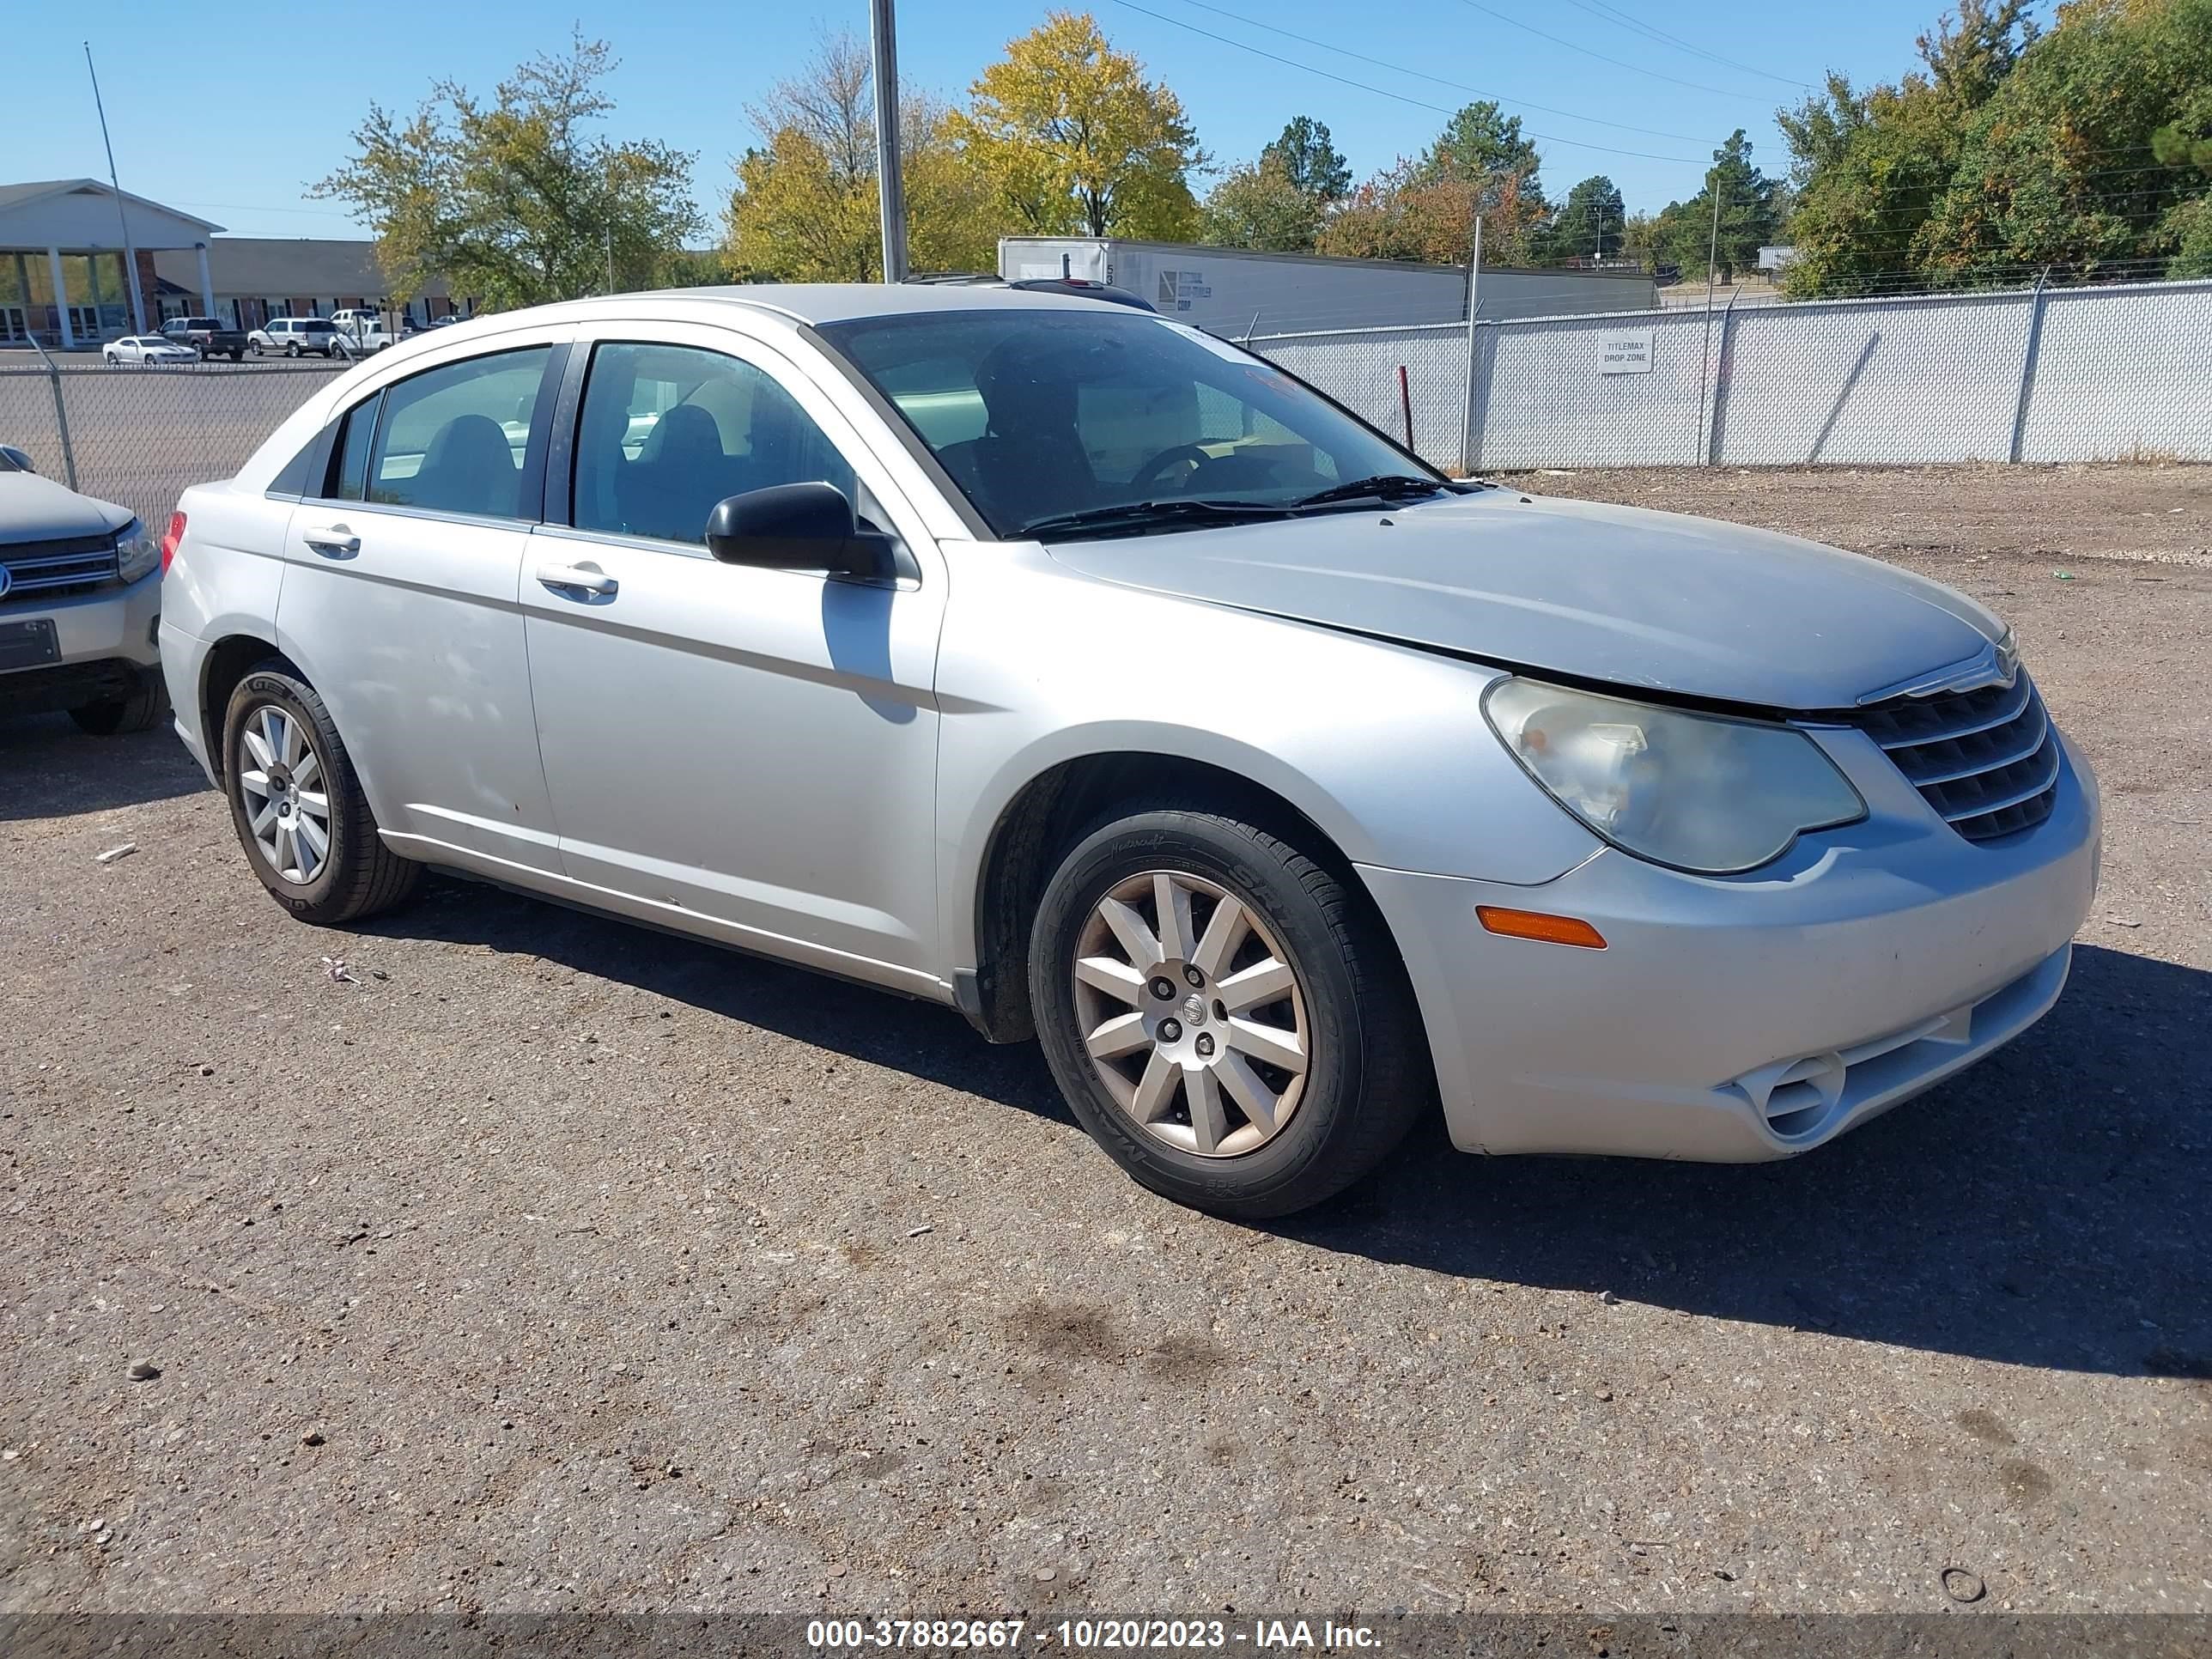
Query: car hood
x=1631, y=597
x=36, y=509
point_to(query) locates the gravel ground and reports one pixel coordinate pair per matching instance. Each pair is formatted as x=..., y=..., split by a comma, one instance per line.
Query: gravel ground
x=535, y=1261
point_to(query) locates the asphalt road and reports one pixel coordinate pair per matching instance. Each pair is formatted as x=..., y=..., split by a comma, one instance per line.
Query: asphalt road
x=540, y=1262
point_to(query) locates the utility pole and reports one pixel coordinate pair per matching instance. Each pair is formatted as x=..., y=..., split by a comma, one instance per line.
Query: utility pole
x=891, y=184
x=1469, y=431
x=1712, y=270
x=130, y=254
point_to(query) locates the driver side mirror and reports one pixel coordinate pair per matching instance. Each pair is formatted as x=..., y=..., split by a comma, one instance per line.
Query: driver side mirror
x=18, y=457
x=799, y=526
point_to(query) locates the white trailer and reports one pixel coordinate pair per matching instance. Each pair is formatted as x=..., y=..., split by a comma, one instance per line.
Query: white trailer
x=1234, y=292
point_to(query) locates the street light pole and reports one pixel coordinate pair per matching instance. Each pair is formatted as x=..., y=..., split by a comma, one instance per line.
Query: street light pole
x=130, y=254
x=890, y=186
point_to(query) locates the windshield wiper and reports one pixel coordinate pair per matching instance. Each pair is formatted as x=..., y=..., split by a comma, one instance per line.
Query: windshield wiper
x=1388, y=486
x=1138, y=515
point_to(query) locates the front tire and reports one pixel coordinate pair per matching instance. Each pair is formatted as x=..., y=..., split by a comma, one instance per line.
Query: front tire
x=1227, y=1019
x=298, y=807
x=139, y=709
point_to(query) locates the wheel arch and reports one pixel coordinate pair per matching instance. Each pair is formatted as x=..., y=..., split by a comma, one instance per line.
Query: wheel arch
x=229, y=661
x=1046, y=814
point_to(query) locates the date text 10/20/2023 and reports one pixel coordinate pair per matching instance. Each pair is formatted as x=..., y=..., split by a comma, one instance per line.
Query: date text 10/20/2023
x=1089, y=1635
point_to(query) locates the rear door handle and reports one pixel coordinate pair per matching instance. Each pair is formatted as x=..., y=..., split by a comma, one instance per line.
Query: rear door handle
x=334, y=539
x=588, y=578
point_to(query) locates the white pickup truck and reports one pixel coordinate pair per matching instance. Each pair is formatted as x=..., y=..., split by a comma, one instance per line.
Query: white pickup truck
x=363, y=330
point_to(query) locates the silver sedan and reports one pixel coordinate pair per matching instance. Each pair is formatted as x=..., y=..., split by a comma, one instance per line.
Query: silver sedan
x=1066, y=665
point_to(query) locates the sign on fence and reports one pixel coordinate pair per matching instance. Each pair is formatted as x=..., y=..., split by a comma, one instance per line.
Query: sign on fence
x=1625, y=351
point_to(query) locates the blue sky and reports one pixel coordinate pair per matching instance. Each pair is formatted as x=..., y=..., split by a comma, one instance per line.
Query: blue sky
x=235, y=131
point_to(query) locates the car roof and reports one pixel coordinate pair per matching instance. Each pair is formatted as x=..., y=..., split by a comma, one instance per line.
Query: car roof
x=839, y=302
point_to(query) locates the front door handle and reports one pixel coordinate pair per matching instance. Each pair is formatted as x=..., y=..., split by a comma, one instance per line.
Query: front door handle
x=589, y=578
x=334, y=539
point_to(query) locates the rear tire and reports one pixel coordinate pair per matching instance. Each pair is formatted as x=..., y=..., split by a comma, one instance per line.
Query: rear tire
x=1332, y=1059
x=352, y=874
x=139, y=709
x=291, y=347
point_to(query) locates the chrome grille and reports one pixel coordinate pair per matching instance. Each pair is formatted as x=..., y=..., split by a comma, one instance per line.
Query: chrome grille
x=57, y=570
x=1987, y=760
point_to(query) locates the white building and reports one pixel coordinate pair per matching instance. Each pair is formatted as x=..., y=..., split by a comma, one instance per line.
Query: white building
x=65, y=279
x=64, y=271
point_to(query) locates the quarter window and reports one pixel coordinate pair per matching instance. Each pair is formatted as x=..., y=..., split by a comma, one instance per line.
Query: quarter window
x=453, y=439
x=353, y=449
x=668, y=431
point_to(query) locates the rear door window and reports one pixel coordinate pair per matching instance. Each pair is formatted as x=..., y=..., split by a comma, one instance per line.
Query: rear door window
x=454, y=440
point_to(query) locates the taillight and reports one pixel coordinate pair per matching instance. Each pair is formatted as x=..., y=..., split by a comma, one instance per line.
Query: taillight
x=170, y=537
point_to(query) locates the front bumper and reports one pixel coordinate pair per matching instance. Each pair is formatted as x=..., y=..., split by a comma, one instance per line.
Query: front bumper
x=1732, y=1019
x=105, y=639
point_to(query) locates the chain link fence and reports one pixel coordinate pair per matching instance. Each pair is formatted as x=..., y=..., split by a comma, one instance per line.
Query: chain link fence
x=141, y=437
x=2035, y=374
x=2042, y=374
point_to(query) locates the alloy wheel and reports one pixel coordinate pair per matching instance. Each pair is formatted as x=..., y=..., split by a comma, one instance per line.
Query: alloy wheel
x=1191, y=1013
x=287, y=805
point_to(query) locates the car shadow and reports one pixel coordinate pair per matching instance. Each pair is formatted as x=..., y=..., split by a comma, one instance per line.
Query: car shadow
x=2046, y=1208
x=48, y=769
x=923, y=1039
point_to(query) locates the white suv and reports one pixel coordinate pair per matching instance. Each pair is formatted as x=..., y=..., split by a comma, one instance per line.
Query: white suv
x=79, y=593
x=295, y=335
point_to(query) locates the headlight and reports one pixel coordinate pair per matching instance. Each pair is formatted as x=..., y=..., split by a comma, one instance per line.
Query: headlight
x=1697, y=792
x=137, y=551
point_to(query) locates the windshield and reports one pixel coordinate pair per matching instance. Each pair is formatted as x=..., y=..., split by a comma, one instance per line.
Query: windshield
x=1041, y=414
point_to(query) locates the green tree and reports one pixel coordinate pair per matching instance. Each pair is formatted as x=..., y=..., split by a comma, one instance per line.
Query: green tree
x=1280, y=202
x=2012, y=151
x=1258, y=206
x=1591, y=224
x=1425, y=209
x=1970, y=54
x=1074, y=139
x=1482, y=145
x=517, y=199
x=2084, y=159
x=1868, y=168
x=1685, y=233
x=1309, y=161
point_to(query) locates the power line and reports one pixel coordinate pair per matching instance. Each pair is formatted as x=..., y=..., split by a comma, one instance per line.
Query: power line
x=256, y=207
x=1618, y=62
x=1599, y=9
x=1456, y=86
x=1381, y=92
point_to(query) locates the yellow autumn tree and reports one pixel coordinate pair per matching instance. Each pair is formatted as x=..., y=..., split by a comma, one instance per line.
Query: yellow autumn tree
x=804, y=204
x=1074, y=140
